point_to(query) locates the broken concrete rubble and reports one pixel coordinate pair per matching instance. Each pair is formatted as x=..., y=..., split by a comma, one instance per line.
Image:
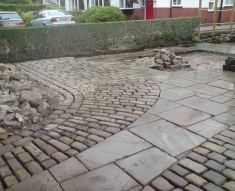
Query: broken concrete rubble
x=163, y=59
x=21, y=105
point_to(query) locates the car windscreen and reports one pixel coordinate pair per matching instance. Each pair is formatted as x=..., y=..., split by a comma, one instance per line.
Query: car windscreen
x=9, y=16
x=57, y=13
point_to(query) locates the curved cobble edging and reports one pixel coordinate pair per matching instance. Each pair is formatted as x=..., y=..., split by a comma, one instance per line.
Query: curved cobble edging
x=100, y=100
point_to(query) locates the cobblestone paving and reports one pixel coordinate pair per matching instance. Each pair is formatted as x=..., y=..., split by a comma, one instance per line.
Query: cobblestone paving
x=113, y=132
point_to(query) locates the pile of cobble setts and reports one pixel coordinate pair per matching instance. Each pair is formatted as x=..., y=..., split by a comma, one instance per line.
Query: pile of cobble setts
x=221, y=38
x=163, y=60
x=21, y=104
x=229, y=64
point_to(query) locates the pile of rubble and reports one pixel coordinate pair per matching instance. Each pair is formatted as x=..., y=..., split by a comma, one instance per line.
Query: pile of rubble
x=21, y=105
x=221, y=38
x=163, y=60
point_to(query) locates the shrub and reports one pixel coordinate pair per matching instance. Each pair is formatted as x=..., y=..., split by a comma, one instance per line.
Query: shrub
x=103, y=14
x=53, y=7
x=24, y=8
x=134, y=17
x=27, y=17
x=78, y=15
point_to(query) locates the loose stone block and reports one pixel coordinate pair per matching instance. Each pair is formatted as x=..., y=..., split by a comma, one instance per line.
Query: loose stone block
x=14, y=164
x=230, y=186
x=17, y=150
x=11, y=139
x=162, y=184
x=148, y=188
x=212, y=187
x=5, y=149
x=230, y=174
x=193, y=166
x=214, y=166
x=48, y=149
x=22, y=175
x=66, y=140
x=179, y=170
x=48, y=163
x=217, y=157
x=59, y=157
x=191, y=187
x=196, y=157
x=230, y=164
x=201, y=151
x=2, y=162
x=60, y=146
x=214, y=147
x=5, y=171
x=175, y=179
x=196, y=180
x=8, y=155
x=216, y=141
x=67, y=169
x=23, y=141
x=25, y=157
x=214, y=177
x=10, y=181
x=71, y=152
x=230, y=154
x=79, y=146
x=39, y=142
x=42, y=157
x=3, y=134
x=33, y=167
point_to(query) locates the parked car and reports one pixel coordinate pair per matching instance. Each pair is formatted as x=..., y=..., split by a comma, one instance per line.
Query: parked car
x=52, y=18
x=10, y=19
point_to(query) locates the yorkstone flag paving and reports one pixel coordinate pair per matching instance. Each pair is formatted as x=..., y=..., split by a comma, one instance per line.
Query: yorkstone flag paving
x=125, y=127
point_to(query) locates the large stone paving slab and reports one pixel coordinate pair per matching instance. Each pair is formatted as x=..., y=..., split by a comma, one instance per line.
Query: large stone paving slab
x=205, y=105
x=120, y=145
x=67, y=169
x=180, y=82
x=168, y=137
x=41, y=182
x=163, y=105
x=146, y=118
x=223, y=84
x=207, y=89
x=146, y=165
x=109, y=177
x=184, y=116
x=177, y=94
x=226, y=118
x=207, y=128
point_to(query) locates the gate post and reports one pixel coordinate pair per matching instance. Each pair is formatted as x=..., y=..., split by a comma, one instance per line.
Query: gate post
x=214, y=19
x=199, y=14
x=232, y=15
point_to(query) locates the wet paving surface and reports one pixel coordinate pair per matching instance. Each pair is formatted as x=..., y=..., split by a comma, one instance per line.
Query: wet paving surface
x=126, y=127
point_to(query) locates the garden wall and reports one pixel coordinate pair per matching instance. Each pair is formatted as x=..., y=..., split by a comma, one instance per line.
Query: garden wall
x=81, y=39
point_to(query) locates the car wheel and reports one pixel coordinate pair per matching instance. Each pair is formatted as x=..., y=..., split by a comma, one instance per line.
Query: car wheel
x=44, y=24
x=30, y=25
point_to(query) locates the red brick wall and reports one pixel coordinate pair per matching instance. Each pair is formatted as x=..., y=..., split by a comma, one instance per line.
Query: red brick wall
x=207, y=16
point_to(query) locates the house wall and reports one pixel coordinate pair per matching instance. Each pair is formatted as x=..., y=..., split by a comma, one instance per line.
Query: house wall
x=162, y=9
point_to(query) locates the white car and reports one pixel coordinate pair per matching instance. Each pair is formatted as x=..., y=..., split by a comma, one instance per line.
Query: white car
x=52, y=18
x=10, y=19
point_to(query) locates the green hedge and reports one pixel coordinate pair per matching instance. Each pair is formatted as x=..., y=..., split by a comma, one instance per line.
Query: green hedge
x=24, y=8
x=39, y=42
